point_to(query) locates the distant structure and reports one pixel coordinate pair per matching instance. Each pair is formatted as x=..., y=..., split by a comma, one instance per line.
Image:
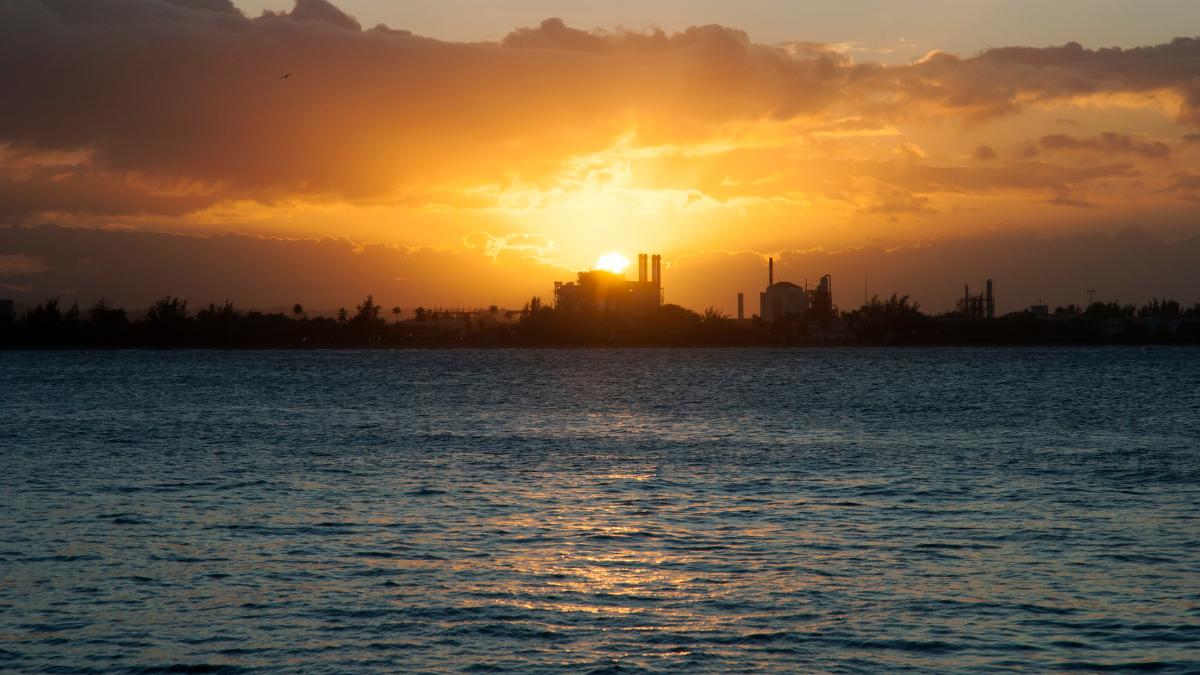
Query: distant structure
x=7, y=313
x=741, y=306
x=977, y=306
x=784, y=298
x=820, y=299
x=599, y=291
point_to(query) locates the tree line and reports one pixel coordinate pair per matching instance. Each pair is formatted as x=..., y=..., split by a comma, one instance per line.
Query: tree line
x=169, y=322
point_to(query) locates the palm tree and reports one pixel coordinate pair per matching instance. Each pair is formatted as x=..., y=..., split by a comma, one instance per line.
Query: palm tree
x=298, y=311
x=396, y=311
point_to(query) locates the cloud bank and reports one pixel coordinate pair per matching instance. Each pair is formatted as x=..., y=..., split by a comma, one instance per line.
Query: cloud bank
x=179, y=103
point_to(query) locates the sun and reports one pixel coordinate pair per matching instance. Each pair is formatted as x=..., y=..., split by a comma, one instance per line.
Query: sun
x=612, y=262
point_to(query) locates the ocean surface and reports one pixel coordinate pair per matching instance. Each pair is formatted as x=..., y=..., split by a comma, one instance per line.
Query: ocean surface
x=594, y=511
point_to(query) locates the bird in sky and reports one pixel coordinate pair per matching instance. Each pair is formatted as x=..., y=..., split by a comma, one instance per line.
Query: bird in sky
x=285, y=76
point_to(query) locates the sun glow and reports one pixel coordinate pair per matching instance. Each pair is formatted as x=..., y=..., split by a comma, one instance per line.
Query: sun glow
x=612, y=262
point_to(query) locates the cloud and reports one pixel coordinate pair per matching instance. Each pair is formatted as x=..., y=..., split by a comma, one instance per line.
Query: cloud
x=1070, y=201
x=554, y=34
x=192, y=91
x=894, y=202
x=1106, y=143
x=1003, y=81
x=320, y=10
x=1022, y=178
x=984, y=153
x=1186, y=185
x=176, y=106
x=19, y=265
x=524, y=244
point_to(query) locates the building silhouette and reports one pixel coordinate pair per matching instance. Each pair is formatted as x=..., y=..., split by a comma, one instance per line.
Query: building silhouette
x=599, y=291
x=981, y=306
x=783, y=298
x=7, y=313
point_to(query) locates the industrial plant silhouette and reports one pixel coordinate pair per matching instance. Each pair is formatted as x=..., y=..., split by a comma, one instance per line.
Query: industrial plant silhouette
x=602, y=308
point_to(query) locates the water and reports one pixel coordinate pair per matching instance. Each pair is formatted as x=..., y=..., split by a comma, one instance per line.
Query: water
x=601, y=511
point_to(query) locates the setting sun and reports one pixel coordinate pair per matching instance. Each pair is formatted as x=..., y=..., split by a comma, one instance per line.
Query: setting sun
x=612, y=262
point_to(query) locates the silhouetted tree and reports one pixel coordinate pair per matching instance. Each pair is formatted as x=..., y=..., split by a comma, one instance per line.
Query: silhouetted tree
x=166, y=320
x=368, y=311
x=219, y=324
x=396, y=312
x=1163, y=309
x=71, y=318
x=895, y=318
x=1100, y=310
x=107, y=325
x=343, y=317
x=44, y=321
x=298, y=311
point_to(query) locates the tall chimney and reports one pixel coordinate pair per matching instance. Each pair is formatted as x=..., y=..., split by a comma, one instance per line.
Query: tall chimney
x=656, y=270
x=770, y=272
x=741, y=306
x=642, y=271
x=991, y=301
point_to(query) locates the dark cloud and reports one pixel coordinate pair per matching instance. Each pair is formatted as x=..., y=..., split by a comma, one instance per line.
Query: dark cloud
x=985, y=153
x=1034, y=178
x=1186, y=185
x=1000, y=81
x=1070, y=201
x=210, y=5
x=1106, y=143
x=554, y=34
x=319, y=10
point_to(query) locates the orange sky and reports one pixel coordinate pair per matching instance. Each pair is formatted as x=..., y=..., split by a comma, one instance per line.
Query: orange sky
x=540, y=151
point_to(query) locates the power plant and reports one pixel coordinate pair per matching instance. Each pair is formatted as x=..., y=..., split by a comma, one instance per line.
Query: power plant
x=977, y=306
x=782, y=299
x=598, y=291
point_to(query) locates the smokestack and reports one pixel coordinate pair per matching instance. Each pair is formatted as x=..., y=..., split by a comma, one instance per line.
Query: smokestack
x=741, y=306
x=656, y=270
x=770, y=272
x=642, y=271
x=991, y=301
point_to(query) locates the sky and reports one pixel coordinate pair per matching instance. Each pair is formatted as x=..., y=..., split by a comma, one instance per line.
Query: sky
x=511, y=144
